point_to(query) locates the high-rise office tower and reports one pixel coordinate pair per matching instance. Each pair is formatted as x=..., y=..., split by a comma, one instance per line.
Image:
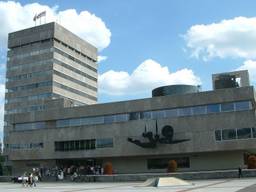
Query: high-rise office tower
x=48, y=62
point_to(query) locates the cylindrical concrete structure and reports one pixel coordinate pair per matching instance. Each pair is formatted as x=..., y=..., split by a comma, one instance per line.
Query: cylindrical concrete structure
x=174, y=90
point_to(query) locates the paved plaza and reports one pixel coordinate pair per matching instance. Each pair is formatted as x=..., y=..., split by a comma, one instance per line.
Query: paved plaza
x=220, y=185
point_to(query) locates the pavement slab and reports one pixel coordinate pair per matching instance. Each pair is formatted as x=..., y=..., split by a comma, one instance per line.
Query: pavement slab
x=219, y=185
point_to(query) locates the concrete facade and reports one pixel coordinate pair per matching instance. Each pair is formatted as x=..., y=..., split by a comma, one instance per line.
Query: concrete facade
x=49, y=62
x=48, y=66
x=201, y=150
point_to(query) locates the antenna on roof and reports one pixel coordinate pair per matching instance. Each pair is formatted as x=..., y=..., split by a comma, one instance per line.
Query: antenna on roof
x=39, y=16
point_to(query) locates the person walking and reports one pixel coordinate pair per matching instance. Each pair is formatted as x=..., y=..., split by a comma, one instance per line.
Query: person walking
x=240, y=172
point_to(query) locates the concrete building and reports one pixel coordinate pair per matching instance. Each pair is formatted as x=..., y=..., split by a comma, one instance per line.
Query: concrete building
x=48, y=62
x=200, y=130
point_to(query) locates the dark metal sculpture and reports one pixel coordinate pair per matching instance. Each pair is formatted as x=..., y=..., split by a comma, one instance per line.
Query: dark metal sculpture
x=167, y=133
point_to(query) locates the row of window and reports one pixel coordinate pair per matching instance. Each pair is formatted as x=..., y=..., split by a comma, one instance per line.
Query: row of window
x=50, y=40
x=231, y=134
x=26, y=109
x=29, y=98
x=30, y=54
x=29, y=75
x=73, y=49
x=29, y=65
x=167, y=113
x=25, y=146
x=30, y=43
x=75, y=70
x=75, y=102
x=30, y=126
x=162, y=163
x=75, y=80
x=29, y=86
x=75, y=91
x=86, y=144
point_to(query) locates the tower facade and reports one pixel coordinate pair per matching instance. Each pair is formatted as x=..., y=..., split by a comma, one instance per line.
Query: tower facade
x=49, y=62
x=47, y=65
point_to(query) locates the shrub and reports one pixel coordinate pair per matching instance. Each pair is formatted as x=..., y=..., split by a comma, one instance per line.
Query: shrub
x=172, y=166
x=108, y=169
x=252, y=162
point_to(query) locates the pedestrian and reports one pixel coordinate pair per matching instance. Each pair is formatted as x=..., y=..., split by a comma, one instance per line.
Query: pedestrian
x=240, y=172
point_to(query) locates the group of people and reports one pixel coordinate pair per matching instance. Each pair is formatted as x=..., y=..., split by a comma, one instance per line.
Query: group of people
x=73, y=172
x=30, y=179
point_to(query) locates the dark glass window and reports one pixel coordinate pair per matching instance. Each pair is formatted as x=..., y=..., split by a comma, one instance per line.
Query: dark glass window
x=75, y=145
x=199, y=110
x=225, y=107
x=218, y=135
x=104, y=143
x=182, y=162
x=185, y=111
x=254, y=132
x=214, y=108
x=228, y=134
x=134, y=116
x=244, y=133
x=242, y=105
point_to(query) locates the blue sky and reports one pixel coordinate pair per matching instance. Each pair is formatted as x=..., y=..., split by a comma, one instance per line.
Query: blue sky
x=149, y=43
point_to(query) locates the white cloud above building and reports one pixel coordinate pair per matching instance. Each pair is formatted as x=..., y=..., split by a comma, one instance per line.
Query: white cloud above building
x=15, y=16
x=147, y=76
x=249, y=65
x=229, y=38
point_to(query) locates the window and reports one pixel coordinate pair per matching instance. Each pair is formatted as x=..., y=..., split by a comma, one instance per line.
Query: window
x=214, y=108
x=244, y=133
x=121, y=118
x=218, y=135
x=74, y=122
x=145, y=115
x=171, y=113
x=158, y=114
x=26, y=146
x=254, y=132
x=185, y=111
x=29, y=126
x=87, y=144
x=242, y=105
x=104, y=143
x=225, y=107
x=62, y=123
x=134, y=116
x=228, y=134
x=199, y=110
x=109, y=119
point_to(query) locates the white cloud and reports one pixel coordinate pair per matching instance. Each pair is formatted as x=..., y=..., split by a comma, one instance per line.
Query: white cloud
x=234, y=38
x=147, y=76
x=14, y=16
x=102, y=58
x=249, y=65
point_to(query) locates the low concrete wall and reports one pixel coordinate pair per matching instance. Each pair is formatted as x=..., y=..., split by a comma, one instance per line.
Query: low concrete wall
x=5, y=178
x=218, y=174
x=182, y=175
